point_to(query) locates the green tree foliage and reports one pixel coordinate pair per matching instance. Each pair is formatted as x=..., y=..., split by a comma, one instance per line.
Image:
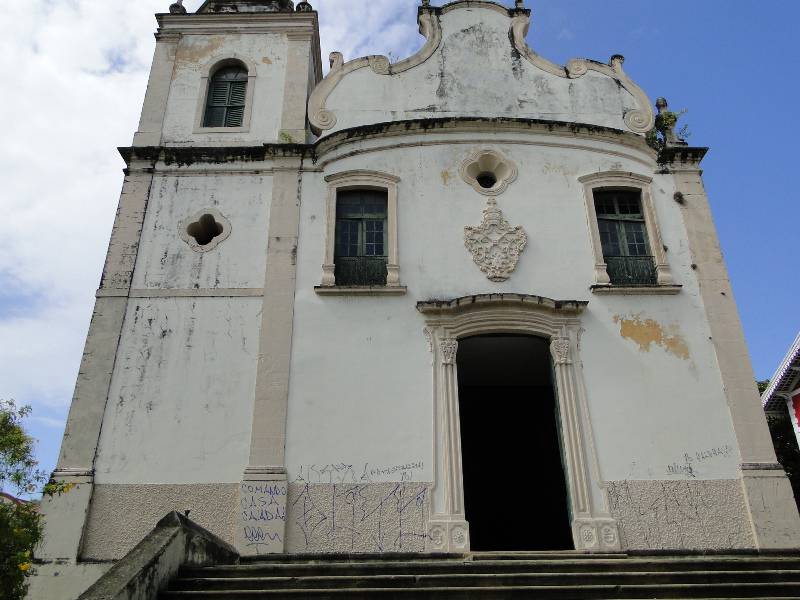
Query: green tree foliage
x=20, y=530
x=20, y=523
x=17, y=464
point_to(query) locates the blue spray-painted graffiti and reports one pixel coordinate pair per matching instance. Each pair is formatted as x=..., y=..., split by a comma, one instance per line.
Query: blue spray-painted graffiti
x=263, y=515
x=376, y=517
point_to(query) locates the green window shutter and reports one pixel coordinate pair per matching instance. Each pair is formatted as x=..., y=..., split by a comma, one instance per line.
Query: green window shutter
x=219, y=93
x=235, y=116
x=227, y=96
x=238, y=93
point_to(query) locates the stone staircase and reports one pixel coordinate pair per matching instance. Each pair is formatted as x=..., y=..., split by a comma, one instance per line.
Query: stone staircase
x=492, y=575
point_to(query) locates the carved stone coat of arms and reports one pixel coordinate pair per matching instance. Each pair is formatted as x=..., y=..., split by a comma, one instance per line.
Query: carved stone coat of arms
x=495, y=245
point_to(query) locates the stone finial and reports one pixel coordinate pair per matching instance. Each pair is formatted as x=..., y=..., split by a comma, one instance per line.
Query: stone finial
x=519, y=3
x=177, y=8
x=426, y=3
x=304, y=6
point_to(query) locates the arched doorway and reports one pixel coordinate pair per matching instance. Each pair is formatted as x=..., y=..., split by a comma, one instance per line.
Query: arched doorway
x=448, y=323
x=510, y=430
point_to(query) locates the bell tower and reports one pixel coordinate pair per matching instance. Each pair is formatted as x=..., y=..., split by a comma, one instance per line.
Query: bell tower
x=206, y=224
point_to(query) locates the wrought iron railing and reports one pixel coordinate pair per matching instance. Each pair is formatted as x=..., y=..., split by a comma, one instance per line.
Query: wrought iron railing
x=631, y=270
x=360, y=270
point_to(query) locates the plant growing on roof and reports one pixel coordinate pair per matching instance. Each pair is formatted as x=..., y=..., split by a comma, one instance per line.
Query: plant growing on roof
x=663, y=133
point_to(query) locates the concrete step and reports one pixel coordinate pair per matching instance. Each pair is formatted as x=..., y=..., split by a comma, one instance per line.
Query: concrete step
x=545, y=554
x=465, y=565
x=464, y=580
x=350, y=557
x=729, y=591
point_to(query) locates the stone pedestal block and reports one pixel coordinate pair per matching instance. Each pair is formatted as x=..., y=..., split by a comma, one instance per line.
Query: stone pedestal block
x=261, y=527
x=64, y=516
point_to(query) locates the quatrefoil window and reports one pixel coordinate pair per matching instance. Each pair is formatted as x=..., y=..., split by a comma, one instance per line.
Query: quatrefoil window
x=488, y=172
x=205, y=230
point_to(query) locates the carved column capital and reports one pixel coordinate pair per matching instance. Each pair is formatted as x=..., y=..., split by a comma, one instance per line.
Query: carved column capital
x=449, y=349
x=559, y=349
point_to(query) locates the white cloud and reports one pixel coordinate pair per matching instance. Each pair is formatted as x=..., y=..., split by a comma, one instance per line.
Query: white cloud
x=376, y=27
x=74, y=74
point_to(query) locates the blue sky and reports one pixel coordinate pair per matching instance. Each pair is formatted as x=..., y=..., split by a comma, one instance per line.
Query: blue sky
x=79, y=68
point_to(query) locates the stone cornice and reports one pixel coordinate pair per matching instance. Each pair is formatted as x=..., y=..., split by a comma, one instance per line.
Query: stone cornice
x=527, y=300
x=499, y=8
x=677, y=157
x=482, y=125
x=277, y=22
x=187, y=155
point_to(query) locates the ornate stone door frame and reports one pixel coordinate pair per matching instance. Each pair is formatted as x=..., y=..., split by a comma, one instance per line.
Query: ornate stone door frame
x=593, y=529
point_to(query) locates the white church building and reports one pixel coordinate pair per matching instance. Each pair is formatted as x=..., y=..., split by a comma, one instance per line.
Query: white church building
x=446, y=304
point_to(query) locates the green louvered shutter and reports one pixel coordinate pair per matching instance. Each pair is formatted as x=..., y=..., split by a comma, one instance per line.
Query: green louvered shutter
x=227, y=95
x=236, y=102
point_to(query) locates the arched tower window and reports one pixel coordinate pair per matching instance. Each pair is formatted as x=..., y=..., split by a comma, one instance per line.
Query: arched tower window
x=227, y=95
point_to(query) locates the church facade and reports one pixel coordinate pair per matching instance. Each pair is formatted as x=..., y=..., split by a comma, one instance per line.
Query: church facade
x=451, y=303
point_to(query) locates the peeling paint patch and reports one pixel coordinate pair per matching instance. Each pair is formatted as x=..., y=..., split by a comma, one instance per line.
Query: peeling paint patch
x=266, y=60
x=646, y=332
x=446, y=177
x=197, y=51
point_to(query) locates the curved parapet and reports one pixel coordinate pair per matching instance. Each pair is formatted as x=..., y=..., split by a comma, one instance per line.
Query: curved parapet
x=321, y=118
x=639, y=120
x=475, y=63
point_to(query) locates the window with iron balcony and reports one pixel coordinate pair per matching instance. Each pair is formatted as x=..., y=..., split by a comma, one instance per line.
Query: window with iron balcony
x=623, y=236
x=360, y=256
x=630, y=256
x=361, y=245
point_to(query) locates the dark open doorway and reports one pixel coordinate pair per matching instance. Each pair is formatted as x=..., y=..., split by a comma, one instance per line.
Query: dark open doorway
x=515, y=492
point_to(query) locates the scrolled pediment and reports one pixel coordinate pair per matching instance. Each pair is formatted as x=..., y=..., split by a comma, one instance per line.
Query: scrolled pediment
x=467, y=68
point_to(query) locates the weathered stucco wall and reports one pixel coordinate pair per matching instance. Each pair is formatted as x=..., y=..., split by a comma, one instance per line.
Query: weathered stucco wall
x=166, y=261
x=195, y=56
x=181, y=397
x=653, y=387
x=195, y=406
x=123, y=514
x=189, y=349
